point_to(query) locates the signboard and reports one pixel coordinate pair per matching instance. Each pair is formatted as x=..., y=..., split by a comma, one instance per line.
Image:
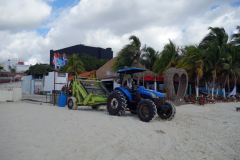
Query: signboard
x=61, y=77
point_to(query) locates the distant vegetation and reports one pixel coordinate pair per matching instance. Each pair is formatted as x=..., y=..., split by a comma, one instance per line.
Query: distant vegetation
x=38, y=70
x=92, y=63
x=215, y=59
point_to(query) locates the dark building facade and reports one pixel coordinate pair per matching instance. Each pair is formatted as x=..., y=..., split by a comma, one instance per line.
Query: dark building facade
x=58, y=58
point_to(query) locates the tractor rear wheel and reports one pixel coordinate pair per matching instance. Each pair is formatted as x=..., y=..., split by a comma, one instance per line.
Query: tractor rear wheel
x=167, y=112
x=72, y=103
x=146, y=110
x=96, y=107
x=116, y=103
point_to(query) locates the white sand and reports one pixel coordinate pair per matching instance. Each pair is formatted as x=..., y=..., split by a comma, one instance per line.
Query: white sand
x=32, y=131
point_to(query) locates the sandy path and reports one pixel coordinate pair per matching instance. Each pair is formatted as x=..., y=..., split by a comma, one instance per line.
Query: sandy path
x=31, y=131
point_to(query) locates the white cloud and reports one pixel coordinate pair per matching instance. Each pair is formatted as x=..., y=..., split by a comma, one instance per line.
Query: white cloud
x=109, y=23
x=23, y=14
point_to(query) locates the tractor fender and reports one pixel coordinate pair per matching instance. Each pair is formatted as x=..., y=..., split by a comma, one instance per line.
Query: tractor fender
x=125, y=92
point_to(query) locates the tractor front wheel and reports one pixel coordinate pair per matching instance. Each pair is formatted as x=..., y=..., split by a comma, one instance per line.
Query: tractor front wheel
x=72, y=103
x=167, y=112
x=116, y=103
x=146, y=110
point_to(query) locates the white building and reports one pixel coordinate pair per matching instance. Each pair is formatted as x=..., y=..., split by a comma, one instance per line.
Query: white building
x=48, y=82
x=15, y=63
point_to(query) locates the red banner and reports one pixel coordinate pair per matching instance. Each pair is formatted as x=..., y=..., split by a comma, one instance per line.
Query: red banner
x=21, y=63
x=149, y=78
x=160, y=79
x=152, y=78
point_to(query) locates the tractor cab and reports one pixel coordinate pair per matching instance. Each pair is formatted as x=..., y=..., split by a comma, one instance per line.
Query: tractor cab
x=129, y=71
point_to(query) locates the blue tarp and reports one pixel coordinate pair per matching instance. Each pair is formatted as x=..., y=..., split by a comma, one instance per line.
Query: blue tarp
x=214, y=91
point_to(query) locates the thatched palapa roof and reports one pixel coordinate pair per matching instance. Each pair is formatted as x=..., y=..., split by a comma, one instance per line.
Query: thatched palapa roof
x=106, y=72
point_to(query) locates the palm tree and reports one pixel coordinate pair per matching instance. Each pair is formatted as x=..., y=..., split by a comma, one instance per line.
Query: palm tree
x=192, y=61
x=13, y=71
x=169, y=57
x=236, y=37
x=218, y=37
x=74, y=65
x=213, y=57
x=129, y=55
x=148, y=57
x=216, y=34
x=231, y=64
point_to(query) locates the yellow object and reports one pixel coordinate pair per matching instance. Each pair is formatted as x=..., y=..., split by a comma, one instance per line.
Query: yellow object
x=92, y=75
x=153, y=95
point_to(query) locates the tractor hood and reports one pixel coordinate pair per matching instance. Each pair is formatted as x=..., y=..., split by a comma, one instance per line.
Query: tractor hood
x=152, y=93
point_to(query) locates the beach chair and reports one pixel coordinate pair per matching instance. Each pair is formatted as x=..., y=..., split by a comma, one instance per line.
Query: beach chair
x=210, y=100
x=187, y=100
x=195, y=98
x=224, y=99
x=205, y=97
x=237, y=97
x=201, y=101
x=233, y=99
x=218, y=98
x=191, y=99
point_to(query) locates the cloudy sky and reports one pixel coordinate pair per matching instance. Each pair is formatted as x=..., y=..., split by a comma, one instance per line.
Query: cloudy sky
x=29, y=29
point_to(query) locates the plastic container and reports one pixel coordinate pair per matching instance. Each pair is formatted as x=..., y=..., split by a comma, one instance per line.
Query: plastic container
x=62, y=100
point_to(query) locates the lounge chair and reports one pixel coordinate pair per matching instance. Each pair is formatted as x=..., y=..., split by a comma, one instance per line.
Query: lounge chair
x=201, y=101
x=210, y=100
x=218, y=98
x=191, y=99
x=237, y=97
x=224, y=99
x=187, y=100
x=233, y=99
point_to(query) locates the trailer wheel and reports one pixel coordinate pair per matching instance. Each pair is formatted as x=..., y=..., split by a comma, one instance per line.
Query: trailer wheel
x=96, y=107
x=167, y=112
x=116, y=103
x=146, y=110
x=72, y=103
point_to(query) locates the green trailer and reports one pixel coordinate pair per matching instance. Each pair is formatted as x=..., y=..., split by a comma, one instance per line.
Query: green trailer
x=87, y=92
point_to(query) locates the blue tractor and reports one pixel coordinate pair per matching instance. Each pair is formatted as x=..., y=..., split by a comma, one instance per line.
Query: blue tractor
x=138, y=100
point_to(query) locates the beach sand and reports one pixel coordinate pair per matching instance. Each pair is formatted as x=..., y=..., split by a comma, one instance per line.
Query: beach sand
x=33, y=131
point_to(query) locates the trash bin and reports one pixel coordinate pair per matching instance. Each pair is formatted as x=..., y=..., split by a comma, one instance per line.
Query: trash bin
x=62, y=100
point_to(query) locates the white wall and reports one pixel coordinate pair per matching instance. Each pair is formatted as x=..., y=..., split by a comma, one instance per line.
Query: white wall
x=2, y=64
x=32, y=86
x=17, y=94
x=7, y=63
x=22, y=68
x=26, y=84
x=49, y=83
x=114, y=83
x=12, y=94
